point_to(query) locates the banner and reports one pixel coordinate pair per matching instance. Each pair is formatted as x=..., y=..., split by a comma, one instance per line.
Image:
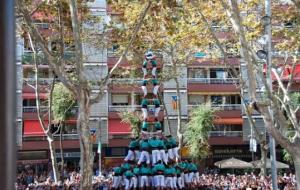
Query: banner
x=174, y=103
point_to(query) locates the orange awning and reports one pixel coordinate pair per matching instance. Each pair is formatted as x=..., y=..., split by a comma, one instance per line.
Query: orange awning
x=233, y=121
x=31, y=96
x=116, y=127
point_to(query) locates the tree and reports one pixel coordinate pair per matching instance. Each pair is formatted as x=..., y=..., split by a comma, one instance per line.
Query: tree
x=197, y=131
x=134, y=121
x=75, y=80
x=278, y=103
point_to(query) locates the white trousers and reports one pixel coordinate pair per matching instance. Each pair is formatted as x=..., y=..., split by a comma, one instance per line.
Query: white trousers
x=159, y=181
x=144, y=88
x=144, y=71
x=127, y=183
x=144, y=181
x=116, y=181
x=144, y=155
x=169, y=182
x=170, y=154
x=164, y=156
x=137, y=155
x=130, y=156
x=153, y=72
x=155, y=89
x=157, y=110
x=155, y=156
x=180, y=182
x=174, y=181
x=134, y=182
x=187, y=178
x=145, y=113
x=175, y=153
x=191, y=176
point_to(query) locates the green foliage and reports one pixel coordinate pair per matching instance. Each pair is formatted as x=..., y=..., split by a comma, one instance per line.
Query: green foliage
x=287, y=156
x=197, y=132
x=63, y=102
x=133, y=120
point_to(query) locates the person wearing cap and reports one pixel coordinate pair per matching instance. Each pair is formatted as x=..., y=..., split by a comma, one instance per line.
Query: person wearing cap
x=117, y=177
x=170, y=173
x=145, y=109
x=133, y=151
x=144, y=173
x=128, y=174
x=149, y=57
x=144, y=146
x=159, y=170
x=154, y=144
x=155, y=87
x=156, y=103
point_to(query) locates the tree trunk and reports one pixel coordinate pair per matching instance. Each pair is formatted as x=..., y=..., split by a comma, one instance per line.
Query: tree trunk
x=86, y=156
x=296, y=159
x=53, y=158
x=61, y=151
x=263, y=152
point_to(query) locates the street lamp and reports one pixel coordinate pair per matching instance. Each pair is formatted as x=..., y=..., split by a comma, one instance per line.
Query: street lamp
x=262, y=54
x=266, y=20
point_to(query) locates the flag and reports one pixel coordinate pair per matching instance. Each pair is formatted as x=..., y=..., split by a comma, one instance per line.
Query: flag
x=99, y=147
x=174, y=103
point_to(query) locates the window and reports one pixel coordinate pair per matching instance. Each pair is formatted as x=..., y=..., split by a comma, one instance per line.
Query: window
x=218, y=73
x=120, y=99
x=233, y=99
x=197, y=73
x=216, y=100
x=29, y=103
x=196, y=99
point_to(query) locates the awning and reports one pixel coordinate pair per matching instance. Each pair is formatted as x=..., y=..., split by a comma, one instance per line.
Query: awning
x=31, y=96
x=40, y=161
x=233, y=121
x=33, y=128
x=116, y=127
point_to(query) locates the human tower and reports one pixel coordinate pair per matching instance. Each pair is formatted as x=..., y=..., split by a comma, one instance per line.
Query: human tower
x=153, y=161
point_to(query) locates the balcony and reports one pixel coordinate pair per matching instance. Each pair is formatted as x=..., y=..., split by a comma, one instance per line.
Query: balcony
x=42, y=81
x=125, y=81
x=226, y=133
x=33, y=109
x=28, y=57
x=130, y=108
x=220, y=107
x=214, y=80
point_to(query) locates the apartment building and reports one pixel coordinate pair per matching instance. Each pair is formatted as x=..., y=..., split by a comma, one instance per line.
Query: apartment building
x=205, y=81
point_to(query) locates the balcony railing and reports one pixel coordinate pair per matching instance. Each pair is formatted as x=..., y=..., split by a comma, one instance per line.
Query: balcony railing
x=213, y=80
x=121, y=108
x=33, y=109
x=28, y=57
x=220, y=106
x=126, y=81
x=42, y=81
x=226, y=133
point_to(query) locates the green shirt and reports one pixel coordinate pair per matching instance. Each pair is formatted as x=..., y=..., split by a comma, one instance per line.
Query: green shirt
x=170, y=171
x=125, y=166
x=154, y=82
x=182, y=165
x=153, y=62
x=134, y=143
x=161, y=144
x=145, y=102
x=178, y=171
x=145, y=171
x=128, y=174
x=154, y=143
x=157, y=125
x=145, y=125
x=172, y=141
x=159, y=167
x=144, y=82
x=136, y=171
x=117, y=171
x=144, y=144
x=193, y=167
x=156, y=102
